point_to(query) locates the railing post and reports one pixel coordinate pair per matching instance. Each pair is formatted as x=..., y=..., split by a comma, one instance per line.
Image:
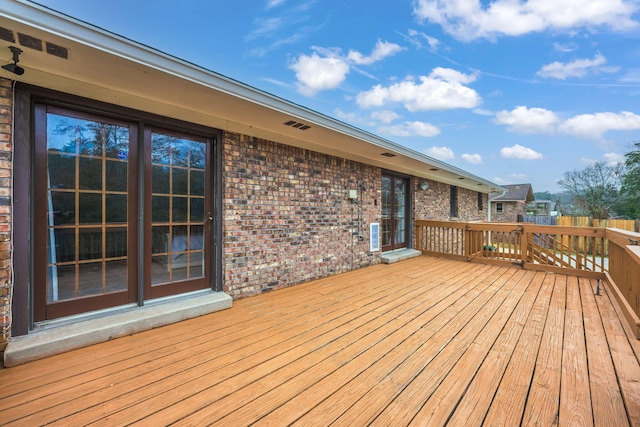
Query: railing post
x=468, y=242
x=524, y=245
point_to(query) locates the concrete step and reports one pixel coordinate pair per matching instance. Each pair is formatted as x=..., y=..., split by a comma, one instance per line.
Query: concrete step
x=399, y=255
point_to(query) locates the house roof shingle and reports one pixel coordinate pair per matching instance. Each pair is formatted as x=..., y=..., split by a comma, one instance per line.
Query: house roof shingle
x=516, y=193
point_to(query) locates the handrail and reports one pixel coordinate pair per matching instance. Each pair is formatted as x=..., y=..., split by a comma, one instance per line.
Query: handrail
x=582, y=249
x=599, y=253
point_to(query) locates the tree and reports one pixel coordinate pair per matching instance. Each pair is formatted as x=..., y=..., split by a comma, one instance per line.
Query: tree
x=596, y=188
x=629, y=204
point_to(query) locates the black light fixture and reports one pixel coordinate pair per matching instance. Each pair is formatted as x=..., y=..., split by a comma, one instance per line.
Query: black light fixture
x=15, y=68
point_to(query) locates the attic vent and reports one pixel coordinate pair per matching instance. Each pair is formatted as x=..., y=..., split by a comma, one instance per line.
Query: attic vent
x=297, y=125
x=388, y=154
x=434, y=169
x=30, y=42
x=59, y=51
x=460, y=177
x=34, y=43
x=7, y=35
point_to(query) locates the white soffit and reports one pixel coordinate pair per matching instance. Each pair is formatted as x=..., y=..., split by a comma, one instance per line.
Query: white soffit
x=103, y=66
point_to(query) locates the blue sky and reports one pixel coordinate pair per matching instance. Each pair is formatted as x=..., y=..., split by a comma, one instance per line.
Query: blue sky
x=512, y=91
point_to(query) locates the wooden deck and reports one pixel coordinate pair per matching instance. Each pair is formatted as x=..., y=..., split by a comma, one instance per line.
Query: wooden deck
x=422, y=342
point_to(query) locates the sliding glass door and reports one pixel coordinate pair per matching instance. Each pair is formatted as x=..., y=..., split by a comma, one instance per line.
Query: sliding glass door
x=87, y=212
x=394, y=212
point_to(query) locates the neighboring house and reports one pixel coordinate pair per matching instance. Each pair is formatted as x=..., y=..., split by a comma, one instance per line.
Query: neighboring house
x=539, y=208
x=137, y=184
x=507, y=206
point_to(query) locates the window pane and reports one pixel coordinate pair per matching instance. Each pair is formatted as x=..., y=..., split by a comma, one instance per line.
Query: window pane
x=160, y=179
x=88, y=184
x=197, y=183
x=116, y=242
x=63, y=242
x=116, y=208
x=180, y=181
x=90, y=211
x=179, y=209
x=62, y=171
x=116, y=176
x=196, y=213
x=90, y=173
x=62, y=208
x=160, y=209
x=90, y=244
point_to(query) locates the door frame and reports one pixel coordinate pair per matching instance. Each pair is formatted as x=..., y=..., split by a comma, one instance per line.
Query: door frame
x=408, y=209
x=25, y=98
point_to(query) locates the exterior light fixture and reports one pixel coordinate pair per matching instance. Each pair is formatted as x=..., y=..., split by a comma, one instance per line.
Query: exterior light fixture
x=424, y=186
x=15, y=68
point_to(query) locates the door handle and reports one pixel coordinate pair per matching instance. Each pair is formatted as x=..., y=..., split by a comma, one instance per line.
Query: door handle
x=210, y=219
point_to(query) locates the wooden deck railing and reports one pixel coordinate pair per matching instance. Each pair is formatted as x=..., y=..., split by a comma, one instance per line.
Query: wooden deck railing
x=600, y=253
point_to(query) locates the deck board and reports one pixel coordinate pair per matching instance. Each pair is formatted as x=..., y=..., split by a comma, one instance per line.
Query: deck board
x=426, y=341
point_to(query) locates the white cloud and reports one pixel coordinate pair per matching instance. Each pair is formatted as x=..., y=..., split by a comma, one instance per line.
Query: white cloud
x=528, y=120
x=352, y=118
x=632, y=76
x=385, y=116
x=475, y=159
x=274, y=3
x=577, y=68
x=483, y=112
x=316, y=73
x=473, y=19
x=588, y=126
x=327, y=68
x=565, y=48
x=380, y=52
x=613, y=158
x=593, y=126
x=520, y=152
x=440, y=153
x=443, y=89
x=410, y=129
x=433, y=42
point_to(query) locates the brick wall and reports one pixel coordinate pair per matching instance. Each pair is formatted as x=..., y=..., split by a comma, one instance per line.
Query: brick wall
x=434, y=203
x=510, y=211
x=287, y=218
x=5, y=210
x=468, y=206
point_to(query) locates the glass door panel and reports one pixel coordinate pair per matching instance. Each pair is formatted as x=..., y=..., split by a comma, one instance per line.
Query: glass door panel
x=399, y=212
x=180, y=223
x=84, y=164
x=386, y=212
x=394, y=208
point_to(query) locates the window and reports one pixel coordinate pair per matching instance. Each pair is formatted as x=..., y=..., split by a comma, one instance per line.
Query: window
x=498, y=206
x=453, y=202
x=480, y=202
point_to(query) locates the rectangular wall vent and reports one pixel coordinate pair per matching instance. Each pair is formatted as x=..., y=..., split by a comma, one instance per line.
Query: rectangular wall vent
x=297, y=125
x=59, y=51
x=374, y=237
x=30, y=42
x=7, y=35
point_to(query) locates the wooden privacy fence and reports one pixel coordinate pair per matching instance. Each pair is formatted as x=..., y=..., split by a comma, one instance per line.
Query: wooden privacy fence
x=585, y=221
x=581, y=221
x=595, y=252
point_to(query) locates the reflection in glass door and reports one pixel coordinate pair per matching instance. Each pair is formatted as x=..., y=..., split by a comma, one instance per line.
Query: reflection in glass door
x=181, y=217
x=394, y=212
x=82, y=167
